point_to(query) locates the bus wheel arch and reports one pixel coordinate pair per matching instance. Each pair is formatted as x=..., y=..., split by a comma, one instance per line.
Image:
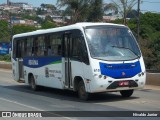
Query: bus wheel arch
x=32, y=82
x=79, y=86
x=77, y=79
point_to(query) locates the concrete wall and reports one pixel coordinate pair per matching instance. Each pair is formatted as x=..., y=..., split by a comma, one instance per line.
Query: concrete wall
x=152, y=78
x=5, y=65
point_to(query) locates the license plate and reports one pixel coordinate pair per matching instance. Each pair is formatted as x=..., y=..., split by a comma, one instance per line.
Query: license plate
x=123, y=83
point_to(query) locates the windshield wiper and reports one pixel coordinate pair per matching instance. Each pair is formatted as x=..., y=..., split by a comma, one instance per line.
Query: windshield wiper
x=127, y=49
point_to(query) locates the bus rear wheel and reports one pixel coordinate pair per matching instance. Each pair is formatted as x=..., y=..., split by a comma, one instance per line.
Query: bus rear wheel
x=33, y=83
x=126, y=93
x=83, y=95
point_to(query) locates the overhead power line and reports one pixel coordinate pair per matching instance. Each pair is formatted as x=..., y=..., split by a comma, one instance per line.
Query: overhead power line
x=138, y=19
x=150, y=2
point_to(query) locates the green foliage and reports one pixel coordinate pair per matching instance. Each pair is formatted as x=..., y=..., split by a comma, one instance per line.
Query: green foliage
x=48, y=6
x=82, y=10
x=17, y=29
x=4, y=34
x=47, y=25
x=152, y=19
x=96, y=11
x=124, y=7
x=6, y=58
x=40, y=11
x=150, y=30
x=49, y=18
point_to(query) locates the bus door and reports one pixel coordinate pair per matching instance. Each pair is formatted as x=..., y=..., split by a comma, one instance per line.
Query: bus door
x=20, y=54
x=67, y=62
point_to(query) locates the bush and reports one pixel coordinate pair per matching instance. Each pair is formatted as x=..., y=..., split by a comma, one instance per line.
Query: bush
x=6, y=58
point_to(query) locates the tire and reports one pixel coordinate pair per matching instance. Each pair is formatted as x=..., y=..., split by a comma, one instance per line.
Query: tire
x=83, y=95
x=126, y=93
x=33, y=83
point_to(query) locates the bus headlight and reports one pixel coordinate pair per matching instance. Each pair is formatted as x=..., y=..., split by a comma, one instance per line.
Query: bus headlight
x=141, y=74
x=100, y=76
x=105, y=77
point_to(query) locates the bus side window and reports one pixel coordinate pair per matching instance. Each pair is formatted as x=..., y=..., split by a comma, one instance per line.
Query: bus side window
x=20, y=48
x=41, y=46
x=78, y=47
x=15, y=48
x=55, y=44
x=75, y=51
x=59, y=50
x=84, y=53
x=29, y=46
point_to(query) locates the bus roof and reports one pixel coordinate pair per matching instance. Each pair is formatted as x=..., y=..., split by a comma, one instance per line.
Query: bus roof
x=58, y=29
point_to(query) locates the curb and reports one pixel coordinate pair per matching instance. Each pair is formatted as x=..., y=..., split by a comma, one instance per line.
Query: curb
x=153, y=79
x=5, y=65
x=152, y=87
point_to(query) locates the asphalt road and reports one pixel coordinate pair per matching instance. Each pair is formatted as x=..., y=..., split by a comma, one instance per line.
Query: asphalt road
x=19, y=97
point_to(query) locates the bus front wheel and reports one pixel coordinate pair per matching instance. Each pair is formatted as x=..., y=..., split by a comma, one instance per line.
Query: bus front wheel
x=33, y=83
x=126, y=93
x=83, y=95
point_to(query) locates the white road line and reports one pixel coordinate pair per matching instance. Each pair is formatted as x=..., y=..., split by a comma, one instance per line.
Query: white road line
x=33, y=108
x=20, y=104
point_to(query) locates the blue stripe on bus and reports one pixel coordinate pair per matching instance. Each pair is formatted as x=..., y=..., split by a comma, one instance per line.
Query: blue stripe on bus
x=36, y=62
x=118, y=71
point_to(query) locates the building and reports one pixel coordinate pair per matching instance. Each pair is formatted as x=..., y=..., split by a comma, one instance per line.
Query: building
x=112, y=17
x=11, y=9
x=22, y=5
x=24, y=22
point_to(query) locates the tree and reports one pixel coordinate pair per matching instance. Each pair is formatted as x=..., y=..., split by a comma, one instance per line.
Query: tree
x=152, y=19
x=4, y=34
x=95, y=11
x=149, y=41
x=123, y=7
x=48, y=24
x=17, y=29
x=48, y=6
x=132, y=14
x=110, y=6
x=48, y=18
x=77, y=9
x=149, y=38
x=42, y=5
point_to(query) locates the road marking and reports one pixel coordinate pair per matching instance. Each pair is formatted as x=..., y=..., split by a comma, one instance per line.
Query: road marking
x=34, y=108
x=20, y=104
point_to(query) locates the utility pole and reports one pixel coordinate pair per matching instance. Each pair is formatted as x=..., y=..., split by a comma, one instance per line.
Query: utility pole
x=138, y=20
x=11, y=28
x=10, y=20
x=10, y=25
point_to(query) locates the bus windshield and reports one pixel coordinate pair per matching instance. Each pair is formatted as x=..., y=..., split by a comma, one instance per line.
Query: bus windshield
x=112, y=43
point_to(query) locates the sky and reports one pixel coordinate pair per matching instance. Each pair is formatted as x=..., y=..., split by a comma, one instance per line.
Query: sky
x=146, y=5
